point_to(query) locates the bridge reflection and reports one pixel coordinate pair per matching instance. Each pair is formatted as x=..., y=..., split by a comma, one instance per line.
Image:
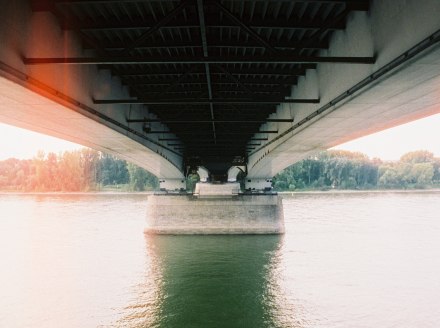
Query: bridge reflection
x=211, y=281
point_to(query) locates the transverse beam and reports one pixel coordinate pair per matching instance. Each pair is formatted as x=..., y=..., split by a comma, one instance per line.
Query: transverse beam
x=279, y=120
x=194, y=101
x=198, y=60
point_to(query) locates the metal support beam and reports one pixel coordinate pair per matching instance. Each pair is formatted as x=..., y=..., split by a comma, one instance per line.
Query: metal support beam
x=68, y=2
x=285, y=59
x=169, y=71
x=160, y=83
x=177, y=139
x=317, y=34
x=246, y=28
x=185, y=91
x=162, y=22
x=280, y=44
x=279, y=120
x=175, y=83
x=212, y=21
x=193, y=101
x=205, y=55
x=203, y=150
x=211, y=145
x=235, y=80
x=195, y=133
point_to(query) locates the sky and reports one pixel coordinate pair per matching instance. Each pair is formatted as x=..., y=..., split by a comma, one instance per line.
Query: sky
x=390, y=144
x=24, y=144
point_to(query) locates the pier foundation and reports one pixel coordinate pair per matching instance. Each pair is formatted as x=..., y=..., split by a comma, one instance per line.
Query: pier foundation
x=211, y=213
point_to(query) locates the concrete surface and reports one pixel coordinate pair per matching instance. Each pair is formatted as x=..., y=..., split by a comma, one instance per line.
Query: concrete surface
x=185, y=214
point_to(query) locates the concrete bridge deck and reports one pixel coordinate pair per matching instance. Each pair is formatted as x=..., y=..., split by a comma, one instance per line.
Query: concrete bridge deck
x=174, y=85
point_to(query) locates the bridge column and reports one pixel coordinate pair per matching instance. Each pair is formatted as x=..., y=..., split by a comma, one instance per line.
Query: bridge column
x=172, y=184
x=258, y=184
x=215, y=209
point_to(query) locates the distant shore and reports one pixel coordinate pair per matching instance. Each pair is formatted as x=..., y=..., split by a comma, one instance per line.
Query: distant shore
x=346, y=191
x=329, y=191
x=10, y=192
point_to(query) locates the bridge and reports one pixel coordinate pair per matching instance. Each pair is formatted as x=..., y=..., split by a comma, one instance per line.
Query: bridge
x=172, y=85
x=218, y=86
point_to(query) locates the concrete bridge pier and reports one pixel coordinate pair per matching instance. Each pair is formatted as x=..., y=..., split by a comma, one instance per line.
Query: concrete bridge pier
x=215, y=209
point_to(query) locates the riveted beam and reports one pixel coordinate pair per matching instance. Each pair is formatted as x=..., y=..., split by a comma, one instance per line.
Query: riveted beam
x=202, y=26
x=205, y=101
x=224, y=138
x=279, y=44
x=168, y=71
x=279, y=120
x=162, y=22
x=70, y=2
x=115, y=60
x=196, y=133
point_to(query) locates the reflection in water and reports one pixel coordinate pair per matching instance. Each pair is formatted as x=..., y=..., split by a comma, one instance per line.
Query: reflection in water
x=145, y=309
x=209, y=281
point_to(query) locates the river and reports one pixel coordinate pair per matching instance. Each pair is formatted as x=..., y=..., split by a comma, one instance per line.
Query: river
x=359, y=259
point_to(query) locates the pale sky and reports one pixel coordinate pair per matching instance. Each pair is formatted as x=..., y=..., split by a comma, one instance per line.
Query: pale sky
x=390, y=144
x=24, y=144
x=423, y=134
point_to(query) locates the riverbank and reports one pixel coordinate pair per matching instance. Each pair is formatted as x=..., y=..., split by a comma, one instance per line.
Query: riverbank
x=114, y=189
x=9, y=192
x=350, y=191
x=151, y=192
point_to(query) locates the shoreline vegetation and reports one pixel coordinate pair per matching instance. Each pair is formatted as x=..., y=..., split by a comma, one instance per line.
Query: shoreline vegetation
x=87, y=170
x=282, y=193
x=344, y=170
x=84, y=170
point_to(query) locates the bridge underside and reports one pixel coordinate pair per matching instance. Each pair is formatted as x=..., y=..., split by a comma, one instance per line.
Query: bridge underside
x=175, y=85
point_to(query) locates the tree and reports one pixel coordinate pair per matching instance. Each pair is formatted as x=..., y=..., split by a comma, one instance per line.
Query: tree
x=436, y=167
x=41, y=172
x=389, y=178
x=418, y=156
x=89, y=162
x=71, y=172
x=52, y=172
x=82, y=170
x=423, y=174
x=112, y=170
x=140, y=179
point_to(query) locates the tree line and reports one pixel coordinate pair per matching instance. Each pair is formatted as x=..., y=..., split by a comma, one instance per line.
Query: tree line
x=79, y=170
x=338, y=169
x=88, y=170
